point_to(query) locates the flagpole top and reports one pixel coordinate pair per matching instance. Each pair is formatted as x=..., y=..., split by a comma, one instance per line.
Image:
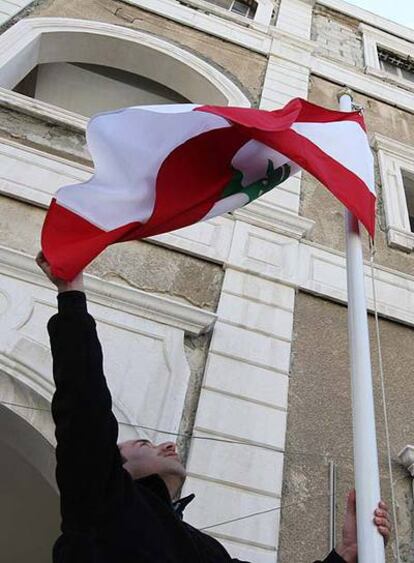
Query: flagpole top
x=345, y=92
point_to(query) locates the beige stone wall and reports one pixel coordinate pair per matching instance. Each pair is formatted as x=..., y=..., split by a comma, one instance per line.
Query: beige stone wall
x=244, y=67
x=318, y=203
x=45, y=136
x=320, y=426
x=337, y=37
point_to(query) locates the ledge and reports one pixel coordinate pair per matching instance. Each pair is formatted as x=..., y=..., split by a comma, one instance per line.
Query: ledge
x=401, y=150
x=116, y=296
x=276, y=219
x=406, y=456
x=42, y=110
x=403, y=240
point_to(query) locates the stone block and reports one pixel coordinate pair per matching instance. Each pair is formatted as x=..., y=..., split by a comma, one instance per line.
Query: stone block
x=240, y=465
x=257, y=349
x=256, y=316
x=259, y=289
x=260, y=530
x=246, y=381
x=227, y=416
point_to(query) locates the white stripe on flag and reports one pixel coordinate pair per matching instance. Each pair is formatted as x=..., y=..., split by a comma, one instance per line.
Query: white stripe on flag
x=253, y=159
x=128, y=148
x=345, y=142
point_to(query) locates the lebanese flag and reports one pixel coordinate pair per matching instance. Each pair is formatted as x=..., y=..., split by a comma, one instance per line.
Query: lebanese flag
x=161, y=168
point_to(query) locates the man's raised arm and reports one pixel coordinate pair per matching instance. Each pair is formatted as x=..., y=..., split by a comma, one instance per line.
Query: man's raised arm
x=89, y=467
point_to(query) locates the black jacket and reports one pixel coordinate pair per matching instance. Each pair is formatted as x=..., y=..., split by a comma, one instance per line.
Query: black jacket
x=106, y=516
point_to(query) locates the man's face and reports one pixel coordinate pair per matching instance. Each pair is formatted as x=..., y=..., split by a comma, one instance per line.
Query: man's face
x=145, y=458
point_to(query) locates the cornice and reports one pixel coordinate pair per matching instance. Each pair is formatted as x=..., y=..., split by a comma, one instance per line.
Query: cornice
x=46, y=112
x=401, y=150
x=273, y=218
x=367, y=85
x=18, y=265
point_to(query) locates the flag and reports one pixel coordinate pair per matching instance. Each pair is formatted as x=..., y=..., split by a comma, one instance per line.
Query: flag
x=161, y=168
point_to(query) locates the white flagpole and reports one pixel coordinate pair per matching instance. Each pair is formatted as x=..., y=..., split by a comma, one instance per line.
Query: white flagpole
x=367, y=483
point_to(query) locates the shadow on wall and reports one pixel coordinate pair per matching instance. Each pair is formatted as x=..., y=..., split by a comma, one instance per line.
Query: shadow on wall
x=29, y=509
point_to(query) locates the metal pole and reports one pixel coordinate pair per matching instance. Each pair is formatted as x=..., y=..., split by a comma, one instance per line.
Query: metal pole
x=332, y=507
x=367, y=483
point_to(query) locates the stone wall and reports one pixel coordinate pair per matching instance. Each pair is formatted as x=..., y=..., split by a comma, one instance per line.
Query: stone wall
x=320, y=426
x=337, y=37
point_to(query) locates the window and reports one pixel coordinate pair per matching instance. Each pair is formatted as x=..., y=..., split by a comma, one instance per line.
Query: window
x=391, y=63
x=396, y=164
x=387, y=56
x=245, y=8
x=408, y=182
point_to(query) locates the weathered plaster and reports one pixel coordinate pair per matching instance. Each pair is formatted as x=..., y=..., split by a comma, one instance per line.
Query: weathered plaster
x=337, y=37
x=320, y=425
x=42, y=135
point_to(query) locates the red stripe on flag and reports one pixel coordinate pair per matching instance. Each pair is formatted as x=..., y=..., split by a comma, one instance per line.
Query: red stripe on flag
x=311, y=113
x=296, y=111
x=191, y=180
x=343, y=183
x=69, y=242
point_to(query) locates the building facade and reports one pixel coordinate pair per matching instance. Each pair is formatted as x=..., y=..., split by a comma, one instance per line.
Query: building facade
x=230, y=335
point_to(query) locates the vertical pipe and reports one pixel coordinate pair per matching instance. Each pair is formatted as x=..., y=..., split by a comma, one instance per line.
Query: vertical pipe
x=367, y=483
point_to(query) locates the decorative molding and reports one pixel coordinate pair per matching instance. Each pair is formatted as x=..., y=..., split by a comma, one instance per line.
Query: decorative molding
x=322, y=271
x=41, y=110
x=367, y=85
x=190, y=319
x=392, y=146
x=273, y=218
x=206, y=239
x=393, y=157
x=34, y=176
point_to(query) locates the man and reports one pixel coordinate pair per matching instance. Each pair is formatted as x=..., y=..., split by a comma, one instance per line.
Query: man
x=117, y=501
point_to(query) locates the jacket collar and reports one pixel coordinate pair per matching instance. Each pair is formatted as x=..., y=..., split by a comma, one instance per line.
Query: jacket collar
x=181, y=504
x=155, y=484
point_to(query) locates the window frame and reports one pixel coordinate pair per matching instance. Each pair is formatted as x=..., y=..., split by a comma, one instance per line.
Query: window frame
x=395, y=157
x=372, y=39
x=249, y=11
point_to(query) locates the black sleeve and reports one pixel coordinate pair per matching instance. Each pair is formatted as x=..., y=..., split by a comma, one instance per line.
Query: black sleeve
x=333, y=557
x=89, y=467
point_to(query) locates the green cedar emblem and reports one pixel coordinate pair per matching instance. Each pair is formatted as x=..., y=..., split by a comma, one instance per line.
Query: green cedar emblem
x=259, y=187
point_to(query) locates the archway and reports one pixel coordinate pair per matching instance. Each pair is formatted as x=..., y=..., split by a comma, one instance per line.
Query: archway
x=29, y=513
x=50, y=41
